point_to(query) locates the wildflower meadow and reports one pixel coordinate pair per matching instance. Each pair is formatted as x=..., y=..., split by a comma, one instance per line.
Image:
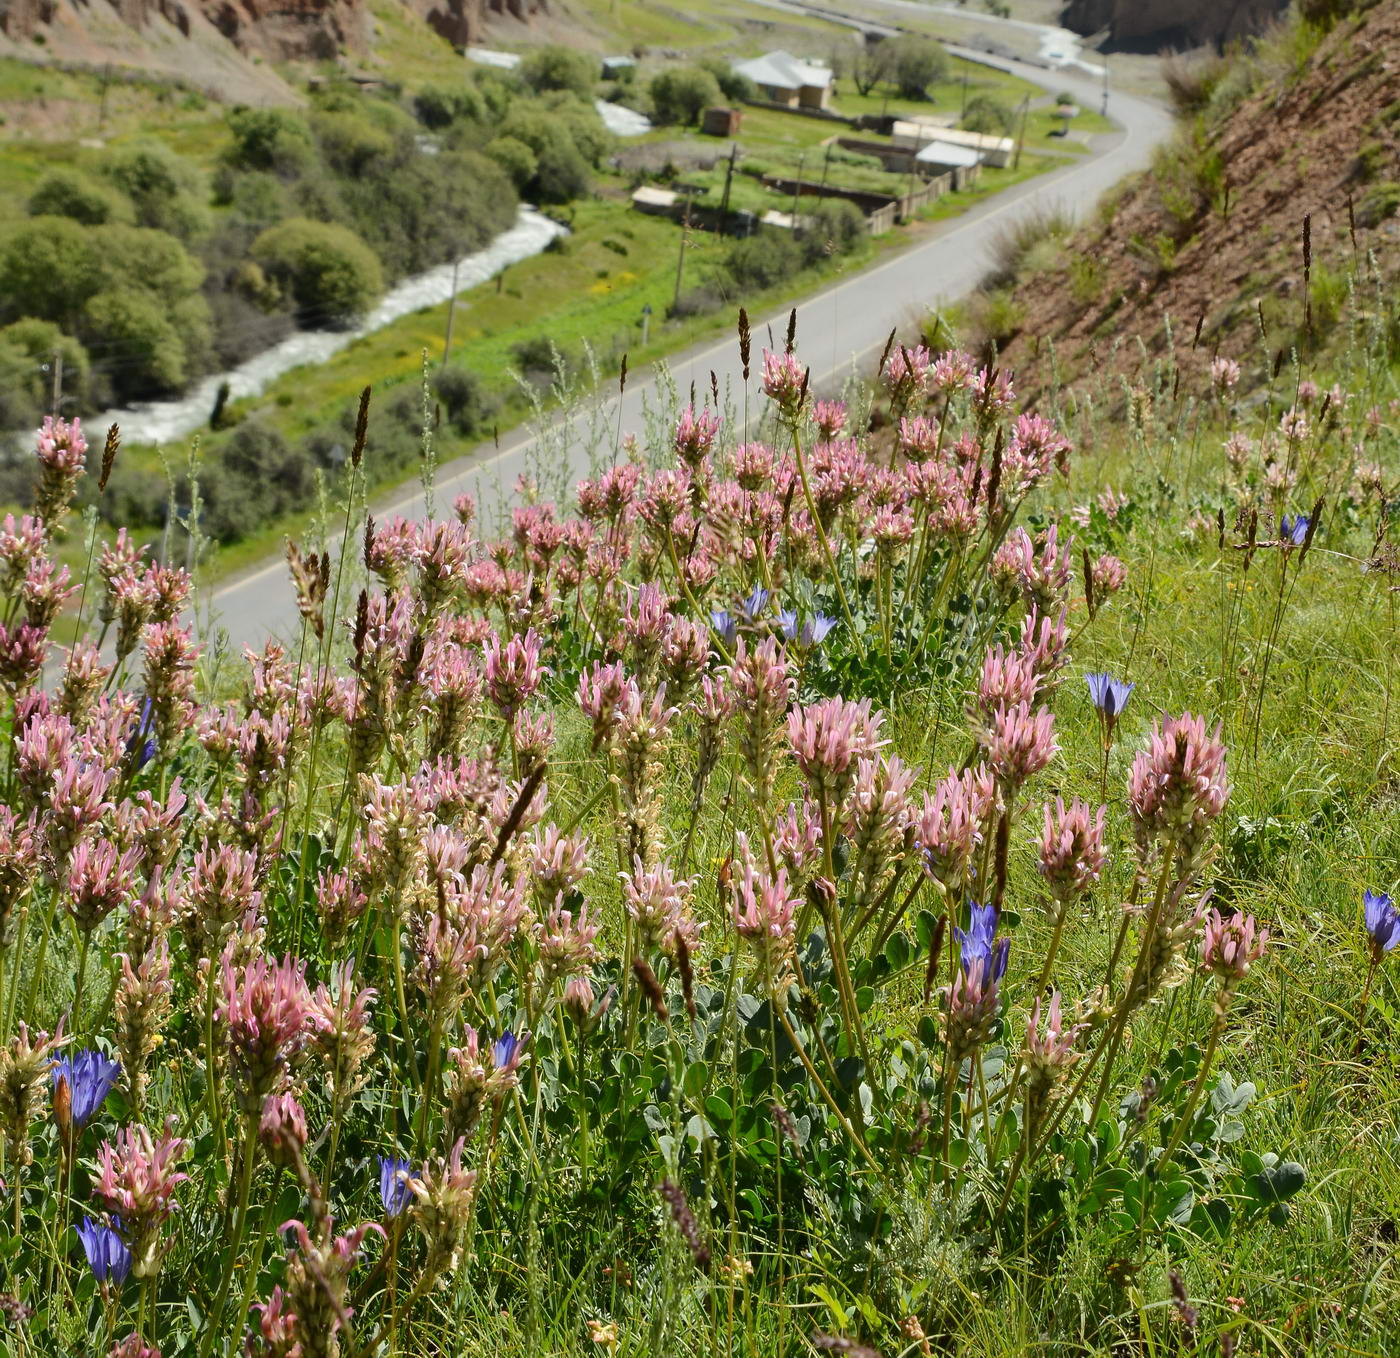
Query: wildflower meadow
x=866, y=872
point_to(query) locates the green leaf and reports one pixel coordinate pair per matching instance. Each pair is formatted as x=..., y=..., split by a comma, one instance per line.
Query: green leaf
x=898, y=953
x=1280, y=1182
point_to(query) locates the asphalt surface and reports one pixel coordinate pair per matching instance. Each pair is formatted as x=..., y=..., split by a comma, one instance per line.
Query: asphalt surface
x=841, y=329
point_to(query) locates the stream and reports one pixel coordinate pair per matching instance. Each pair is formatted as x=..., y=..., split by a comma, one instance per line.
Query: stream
x=164, y=421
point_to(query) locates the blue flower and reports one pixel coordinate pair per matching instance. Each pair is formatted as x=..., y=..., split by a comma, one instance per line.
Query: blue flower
x=787, y=622
x=1293, y=531
x=394, y=1191
x=503, y=1051
x=1382, y=922
x=141, y=743
x=979, y=942
x=90, y=1077
x=815, y=632
x=107, y=1254
x=1109, y=695
x=754, y=604
x=723, y=623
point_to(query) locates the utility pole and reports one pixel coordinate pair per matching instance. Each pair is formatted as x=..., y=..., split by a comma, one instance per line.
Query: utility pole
x=728, y=180
x=1105, y=85
x=1021, y=140
x=797, y=187
x=680, y=262
x=57, y=382
x=964, y=104
x=646, y=324
x=826, y=165
x=451, y=315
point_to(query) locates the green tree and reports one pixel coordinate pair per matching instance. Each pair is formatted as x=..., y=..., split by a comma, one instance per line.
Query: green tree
x=330, y=273
x=269, y=139
x=152, y=261
x=560, y=68
x=165, y=191
x=916, y=63
x=135, y=327
x=990, y=115
x=733, y=85
x=515, y=158
x=48, y=269
x=70, y=193
x=27, y=350
x=682, y=94
x=440, y=106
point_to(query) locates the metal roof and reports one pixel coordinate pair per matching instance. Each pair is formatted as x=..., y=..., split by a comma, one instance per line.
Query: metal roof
x=946, y=153
x=783, y=71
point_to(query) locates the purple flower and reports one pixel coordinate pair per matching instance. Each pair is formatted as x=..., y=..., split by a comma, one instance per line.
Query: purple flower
x=723, y=622
x=979, y=943
x=815, y=632
x=787, y=623
x=394, y=1191
x=107, y=1254
x=1293, y=531
x=90, y=1077
x=504, y=1049
x=754, y=604
x=141, y=743
x=1108, y=694
x=1382, y=922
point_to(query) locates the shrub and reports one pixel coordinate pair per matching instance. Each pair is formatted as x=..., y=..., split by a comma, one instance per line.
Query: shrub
x=763, y=260
x=27, y=350
x=150, y=260
x=834, y=227
x=258, y=475
x=48, y=269
x=1011, y=243
x=269, y=139
x=733, y=85
x=559, y=68
x=464, y=399
x=331, y=274
x=682, y=94
x=352, y=145
x=166, y=192
x=916, y=63
x=139, y=327
x=1191, y=79
x=989, y=115
x=70, y=193
x=440, y=106
x=518, y=161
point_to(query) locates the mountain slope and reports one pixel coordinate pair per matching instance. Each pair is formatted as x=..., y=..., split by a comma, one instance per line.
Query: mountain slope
x=1213, y=235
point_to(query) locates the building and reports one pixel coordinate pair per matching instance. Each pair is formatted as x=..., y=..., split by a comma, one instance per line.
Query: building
x=961, y=164
x=996, y=151
x=788, y=80
x=721, y=122
x=617, y=68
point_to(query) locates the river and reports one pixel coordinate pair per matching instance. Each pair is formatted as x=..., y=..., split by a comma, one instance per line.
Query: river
x=165, y=421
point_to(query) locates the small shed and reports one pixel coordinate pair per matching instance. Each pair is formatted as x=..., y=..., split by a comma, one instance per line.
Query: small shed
x=783, y=221
x=721, y=122
x=616, y=68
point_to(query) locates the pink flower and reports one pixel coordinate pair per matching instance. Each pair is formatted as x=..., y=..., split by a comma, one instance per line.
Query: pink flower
x=1224, y=375
x=797, y=839
x=1020, y=742
x=784, y=382
x=1071, y=848
x=566, y=942
x=101, y=877
x=949, y=826
x=1178, y=785
x=695, y=435
x=136, y=1181
x=906, y=371
x=1109, y=575
x=1049, y=1048
x=266, y=1011
x=1230, y=945
x=1008, y=677
x=830, y=417
x=951, y=373
x=659, y=903
x=765, y=914
x=513, y=671
x=827, y=738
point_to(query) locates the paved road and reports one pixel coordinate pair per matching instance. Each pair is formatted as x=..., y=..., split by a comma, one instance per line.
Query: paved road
x=840, y=329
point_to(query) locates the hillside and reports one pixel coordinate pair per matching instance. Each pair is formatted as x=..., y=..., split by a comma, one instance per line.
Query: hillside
x=223, y=47
x=1305, y=129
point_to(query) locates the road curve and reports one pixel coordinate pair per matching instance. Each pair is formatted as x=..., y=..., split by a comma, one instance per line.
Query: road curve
x=842, y=328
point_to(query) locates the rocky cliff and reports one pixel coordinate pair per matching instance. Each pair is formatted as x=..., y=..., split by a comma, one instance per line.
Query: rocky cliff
x=1154, y=24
